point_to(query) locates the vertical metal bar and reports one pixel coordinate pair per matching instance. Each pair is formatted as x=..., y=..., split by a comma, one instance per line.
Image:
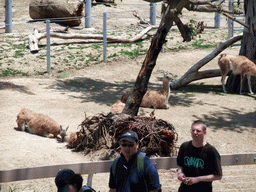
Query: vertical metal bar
x=153, y=13
x=230, y=22
x=88, y=13
x=105, y=37
x=8, y=16
x=89, y=180
x=217, y=20
x=48, y=46
x=161, y=19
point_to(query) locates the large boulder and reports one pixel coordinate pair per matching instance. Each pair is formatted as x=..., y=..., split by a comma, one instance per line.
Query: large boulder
x=60, y=11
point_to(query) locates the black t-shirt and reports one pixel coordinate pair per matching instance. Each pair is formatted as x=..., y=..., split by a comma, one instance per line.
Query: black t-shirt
x=198, y=162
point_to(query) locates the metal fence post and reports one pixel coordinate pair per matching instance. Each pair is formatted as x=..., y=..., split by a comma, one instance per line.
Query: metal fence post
x=89, y=180
x=8, y=16
x=105, y=37
x=230, y=22
x=88, y=13
x=153, y=13
x=217, y=20
x=48, y=46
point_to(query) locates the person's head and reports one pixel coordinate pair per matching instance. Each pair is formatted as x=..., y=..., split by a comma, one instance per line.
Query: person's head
x=198, y=130
x=129, y=143
x=67, y=181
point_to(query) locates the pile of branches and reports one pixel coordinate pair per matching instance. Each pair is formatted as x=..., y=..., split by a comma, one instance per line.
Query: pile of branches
x=157, y=137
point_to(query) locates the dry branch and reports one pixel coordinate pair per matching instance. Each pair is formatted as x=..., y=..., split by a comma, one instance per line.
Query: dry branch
x=157, y=137
x=36, y=36
x=142, y=20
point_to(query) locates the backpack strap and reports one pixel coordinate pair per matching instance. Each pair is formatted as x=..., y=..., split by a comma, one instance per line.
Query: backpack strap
x=114, y=164
x=140, y=161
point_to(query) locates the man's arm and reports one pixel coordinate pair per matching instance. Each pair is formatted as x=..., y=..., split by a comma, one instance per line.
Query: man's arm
x=205, y=178
x=181, y=176
x=112, y=190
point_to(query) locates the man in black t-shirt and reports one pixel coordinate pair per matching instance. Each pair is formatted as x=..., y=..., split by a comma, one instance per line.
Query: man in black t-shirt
x=198, y=161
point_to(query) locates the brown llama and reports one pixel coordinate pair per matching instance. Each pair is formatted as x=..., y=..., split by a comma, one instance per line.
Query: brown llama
x=238, y=64
x=38, y=123
x=152, y=98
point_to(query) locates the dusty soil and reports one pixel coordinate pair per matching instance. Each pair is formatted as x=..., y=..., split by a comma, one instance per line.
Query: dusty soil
x=68, y=93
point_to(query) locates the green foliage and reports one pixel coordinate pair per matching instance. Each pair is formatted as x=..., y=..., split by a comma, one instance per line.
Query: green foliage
x=190, y=29
x=199, y=44
x=133, y=53
x=18, y=54
x=20, y=46
x=10, y=71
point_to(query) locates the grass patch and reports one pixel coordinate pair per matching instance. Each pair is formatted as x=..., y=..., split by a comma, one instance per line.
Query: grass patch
x=10, y=71
x=199, y=44
x=18, y=54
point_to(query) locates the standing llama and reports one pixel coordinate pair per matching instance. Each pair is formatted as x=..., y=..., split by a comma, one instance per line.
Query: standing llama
x=152, y=98
x=238, y=64
x=38, y=123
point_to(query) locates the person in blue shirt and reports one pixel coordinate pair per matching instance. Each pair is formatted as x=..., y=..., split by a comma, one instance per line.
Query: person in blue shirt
x=126, y=176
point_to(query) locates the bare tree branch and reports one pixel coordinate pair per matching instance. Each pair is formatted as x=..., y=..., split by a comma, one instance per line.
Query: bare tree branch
x=36, y=36
x=206, y=2
x=234, y=19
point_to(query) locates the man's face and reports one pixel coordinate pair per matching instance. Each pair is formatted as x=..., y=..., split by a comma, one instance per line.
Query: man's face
x=128, y=149
x=197, y=133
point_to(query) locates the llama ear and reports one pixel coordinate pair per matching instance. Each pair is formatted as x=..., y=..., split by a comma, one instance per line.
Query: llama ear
x=67, y=127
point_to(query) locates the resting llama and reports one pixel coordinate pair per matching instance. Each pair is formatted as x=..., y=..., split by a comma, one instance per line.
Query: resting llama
x=239, y=65
x=37, y=123
x=152, y=98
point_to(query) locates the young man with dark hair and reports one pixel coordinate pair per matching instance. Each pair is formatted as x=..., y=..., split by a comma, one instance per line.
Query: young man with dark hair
x=199, y=162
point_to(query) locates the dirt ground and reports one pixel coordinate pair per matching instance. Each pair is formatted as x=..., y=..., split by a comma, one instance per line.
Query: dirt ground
x=231, y=118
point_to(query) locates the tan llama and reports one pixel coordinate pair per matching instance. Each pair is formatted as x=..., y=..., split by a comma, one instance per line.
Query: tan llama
x=38, y=123
x=152, y=98
x=238, y=64
x=71, y=138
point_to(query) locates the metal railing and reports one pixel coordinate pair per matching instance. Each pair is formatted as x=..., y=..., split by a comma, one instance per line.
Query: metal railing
x=90, y=168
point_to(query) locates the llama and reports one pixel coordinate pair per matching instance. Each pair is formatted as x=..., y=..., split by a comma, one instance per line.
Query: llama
x=38, y=123
x=117, y=107
x=239, y=65
x=152, y=98
x=71, y=138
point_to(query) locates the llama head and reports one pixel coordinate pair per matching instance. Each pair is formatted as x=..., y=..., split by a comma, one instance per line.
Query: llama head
x=63, y=133
x=168, y=76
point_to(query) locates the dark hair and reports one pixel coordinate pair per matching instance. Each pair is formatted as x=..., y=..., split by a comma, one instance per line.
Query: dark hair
x=199, y=122
x=77, y=180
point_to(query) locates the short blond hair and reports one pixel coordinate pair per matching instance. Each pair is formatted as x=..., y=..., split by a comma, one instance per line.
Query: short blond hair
x=199, y=122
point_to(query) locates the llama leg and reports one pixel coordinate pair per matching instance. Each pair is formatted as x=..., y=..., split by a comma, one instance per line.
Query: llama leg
x=241, y=82
x=223, y=83
x=50, y=135
x=249, y=83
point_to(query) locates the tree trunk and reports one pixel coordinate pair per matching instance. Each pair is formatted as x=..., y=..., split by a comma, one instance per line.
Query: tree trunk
x=248, y=48
x=140, y=86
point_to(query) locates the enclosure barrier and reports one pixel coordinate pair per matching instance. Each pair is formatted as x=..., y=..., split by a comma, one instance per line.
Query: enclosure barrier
x=91, y=168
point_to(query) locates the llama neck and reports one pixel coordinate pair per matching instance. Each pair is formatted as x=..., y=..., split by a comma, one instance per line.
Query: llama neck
x=166, y=87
